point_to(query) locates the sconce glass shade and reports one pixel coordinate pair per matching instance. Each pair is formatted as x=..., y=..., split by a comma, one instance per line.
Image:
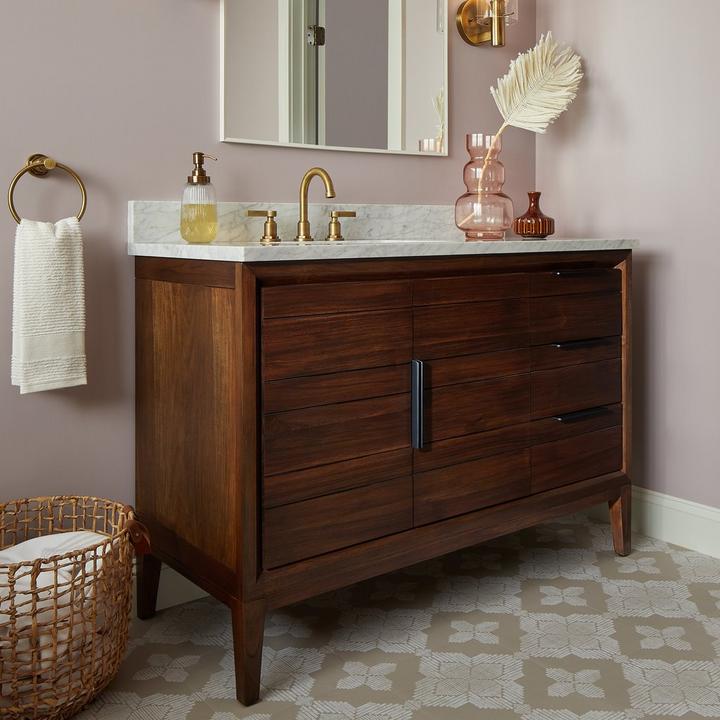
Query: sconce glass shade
x=477, y=22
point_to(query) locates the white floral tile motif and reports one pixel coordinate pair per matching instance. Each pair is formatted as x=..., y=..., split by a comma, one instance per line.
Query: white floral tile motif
x=716, y=594
x=570, y=715
x=631, y=598
x=675, y=689
x=481, y=632
x=372, y=676
x=131, y=706
x=574, y=683
x=170, y=669
x=587, y=636
x=656, y=638
x=468, y=594
x=570, y=563
x=554, y=595
x=394, y=631
x=485, y=681
x=695, y=567
x=646, y=565
x=346, y=711
x=282, y=624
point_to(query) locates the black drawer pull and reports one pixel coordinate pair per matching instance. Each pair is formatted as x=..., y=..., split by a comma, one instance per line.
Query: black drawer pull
x=577, y=344
x=583, y=272
x=417, y=387
x=582, y=415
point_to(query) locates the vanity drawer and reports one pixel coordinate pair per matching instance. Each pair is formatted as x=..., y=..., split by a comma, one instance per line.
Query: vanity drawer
x=306, y=529
x=568, y=282
x=562, y=318
x=452, y=330
x=294, y=347
x=460, y=489
x=458, y=410
x=575, y=352
x=575, y=388
x=576, y=458
x=333, y=433
x=473, y=368
x=330, y=298
x=474, y=288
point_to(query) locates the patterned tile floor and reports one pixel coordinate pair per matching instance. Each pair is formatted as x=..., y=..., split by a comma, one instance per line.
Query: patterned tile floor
x=546, y=624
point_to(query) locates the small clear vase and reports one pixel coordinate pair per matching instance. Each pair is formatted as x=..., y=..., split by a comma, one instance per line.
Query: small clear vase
x=484, y=212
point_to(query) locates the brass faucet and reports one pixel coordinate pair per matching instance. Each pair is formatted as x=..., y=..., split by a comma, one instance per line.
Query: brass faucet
x=304, y=234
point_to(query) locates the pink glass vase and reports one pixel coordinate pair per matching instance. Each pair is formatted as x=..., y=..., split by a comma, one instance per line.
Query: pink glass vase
x=484, y=212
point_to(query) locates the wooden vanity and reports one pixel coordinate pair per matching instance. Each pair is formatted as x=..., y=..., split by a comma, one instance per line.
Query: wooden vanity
x=305, y=425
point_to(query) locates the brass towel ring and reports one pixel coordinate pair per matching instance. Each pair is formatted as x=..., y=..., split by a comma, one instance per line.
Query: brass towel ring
x=40, y=165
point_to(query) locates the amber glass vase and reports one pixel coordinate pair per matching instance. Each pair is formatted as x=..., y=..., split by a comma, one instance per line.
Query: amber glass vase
x=484, y=212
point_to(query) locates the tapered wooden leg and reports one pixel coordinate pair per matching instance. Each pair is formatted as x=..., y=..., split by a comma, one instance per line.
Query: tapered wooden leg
x=248, y=619
x=620, y=521
x=148, y=581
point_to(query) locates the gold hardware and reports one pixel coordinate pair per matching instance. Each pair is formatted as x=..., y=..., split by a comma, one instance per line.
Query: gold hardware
x=481, y=21
x=304, y=234
x=335, y=229
x=39, y=166
x=199, y=176
x=270, y=233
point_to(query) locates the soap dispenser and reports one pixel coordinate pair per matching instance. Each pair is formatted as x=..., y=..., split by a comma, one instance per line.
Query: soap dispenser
x=198, y=216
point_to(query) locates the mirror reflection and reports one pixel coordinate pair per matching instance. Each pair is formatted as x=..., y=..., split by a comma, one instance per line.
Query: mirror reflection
x=368, y=76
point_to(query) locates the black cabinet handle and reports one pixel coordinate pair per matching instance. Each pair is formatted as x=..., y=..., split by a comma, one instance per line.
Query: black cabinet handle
x=582, y=415
x=577, y=344
x=417, y=390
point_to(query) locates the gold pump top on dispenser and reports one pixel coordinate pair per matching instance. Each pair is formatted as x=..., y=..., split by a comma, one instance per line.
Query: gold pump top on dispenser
x=199, y=176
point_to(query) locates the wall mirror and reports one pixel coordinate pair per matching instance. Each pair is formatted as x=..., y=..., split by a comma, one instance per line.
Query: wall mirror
x=361, y=75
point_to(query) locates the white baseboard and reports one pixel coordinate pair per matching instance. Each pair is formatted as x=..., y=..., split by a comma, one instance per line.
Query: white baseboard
x=672, y=520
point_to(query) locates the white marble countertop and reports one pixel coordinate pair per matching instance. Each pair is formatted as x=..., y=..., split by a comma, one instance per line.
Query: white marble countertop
x=355, y=249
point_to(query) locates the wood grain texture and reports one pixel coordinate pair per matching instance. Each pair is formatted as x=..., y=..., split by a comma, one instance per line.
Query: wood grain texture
x=577, y=458
x=248, y=623
x=318, y=436
x=546, y=357
x=313, y=527
x=513, y=438
x=293, y=347
x=186, y=475
x=475, y=288
x=621, y=521
x=460, y=489
x=444, y=331
x=458, y=410
x=335, y=477
x=302, y=580
x=575, y=317
x=574, y=281
x=575, y=388
x=472, y=368
x=189, y=272
x=316, y=390
x=331, y=298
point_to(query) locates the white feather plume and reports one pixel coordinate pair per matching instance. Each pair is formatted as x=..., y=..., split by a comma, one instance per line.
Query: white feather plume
x=539, y=86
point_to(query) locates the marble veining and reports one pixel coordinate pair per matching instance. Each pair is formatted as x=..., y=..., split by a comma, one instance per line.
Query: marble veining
x=379, y=231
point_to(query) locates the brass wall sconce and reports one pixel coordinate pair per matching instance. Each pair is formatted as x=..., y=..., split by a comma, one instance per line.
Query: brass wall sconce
x=482, y=21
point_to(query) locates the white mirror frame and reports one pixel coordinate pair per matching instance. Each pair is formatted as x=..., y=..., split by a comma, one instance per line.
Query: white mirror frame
x=395, y=78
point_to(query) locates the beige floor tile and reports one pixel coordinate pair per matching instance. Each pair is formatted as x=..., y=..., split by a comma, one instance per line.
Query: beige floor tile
x=546, y=624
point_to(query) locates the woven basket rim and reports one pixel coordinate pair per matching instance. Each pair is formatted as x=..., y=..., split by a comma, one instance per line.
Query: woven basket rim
x=60, y=499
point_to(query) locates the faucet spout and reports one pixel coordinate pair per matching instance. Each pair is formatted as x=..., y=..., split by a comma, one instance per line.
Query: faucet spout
x=304, y=234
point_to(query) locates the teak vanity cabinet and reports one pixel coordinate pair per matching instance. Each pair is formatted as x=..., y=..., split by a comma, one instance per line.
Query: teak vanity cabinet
x=302, y=426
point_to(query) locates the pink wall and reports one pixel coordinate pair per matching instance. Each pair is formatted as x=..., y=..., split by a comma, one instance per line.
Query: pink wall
x=638, y=156
x=124, y=91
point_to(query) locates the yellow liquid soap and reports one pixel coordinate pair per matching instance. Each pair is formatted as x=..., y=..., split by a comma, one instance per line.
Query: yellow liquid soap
x=198, y=223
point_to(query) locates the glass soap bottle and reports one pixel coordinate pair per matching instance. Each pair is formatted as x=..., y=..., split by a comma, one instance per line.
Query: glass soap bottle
x=198, y=215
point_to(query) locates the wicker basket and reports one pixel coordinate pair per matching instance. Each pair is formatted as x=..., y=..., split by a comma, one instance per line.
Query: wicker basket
x=64, y=619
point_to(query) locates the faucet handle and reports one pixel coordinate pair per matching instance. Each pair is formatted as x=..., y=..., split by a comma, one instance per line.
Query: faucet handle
x=270, y=233
x=335, y=229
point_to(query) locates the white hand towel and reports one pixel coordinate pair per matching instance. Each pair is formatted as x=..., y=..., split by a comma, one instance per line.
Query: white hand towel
x=48, y=306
